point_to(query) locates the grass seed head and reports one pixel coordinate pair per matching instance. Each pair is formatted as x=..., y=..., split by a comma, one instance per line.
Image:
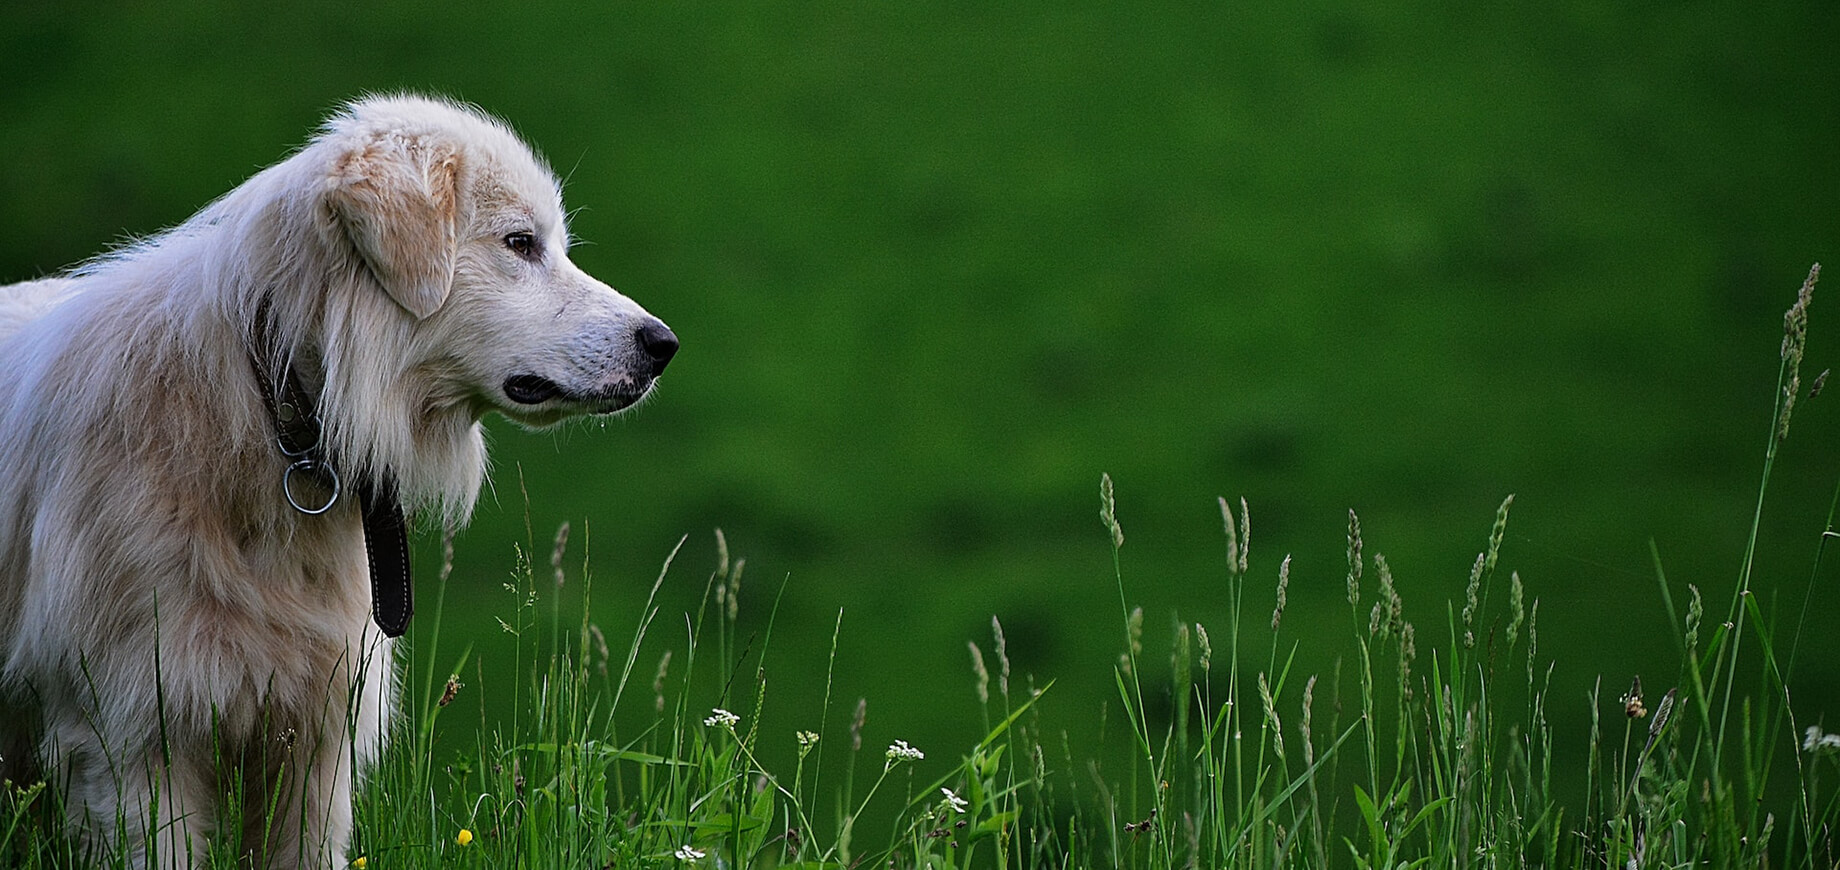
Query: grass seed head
x=447, y=553
x=1408, y=651
x=1309, y=691
x=1795, y=341
x=856, y=723
x=1662, y=713
x=1245, y=534
x=1500, y=527
x=1470, y=600
x=1108, y=513
x=600, y=646
x=1354, y=559
x=555, y=553
x=664, y=670
x=1696, y=611
x=1516, y=612
x=978, y=669
x=721, y=553
x=1002, y=647
x=1284, y=581
x=1533, y=638
x=1271, y=716
x=734, y=589
x=1388, y=615
x=1134, y=633
x=1232, y=529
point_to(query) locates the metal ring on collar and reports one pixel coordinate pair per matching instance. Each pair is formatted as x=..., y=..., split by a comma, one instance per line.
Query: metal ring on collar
x=301, y=454
x=310, y=465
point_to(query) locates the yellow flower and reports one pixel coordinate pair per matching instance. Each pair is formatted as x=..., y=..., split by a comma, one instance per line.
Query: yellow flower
x=360, y=862
x=465, y=837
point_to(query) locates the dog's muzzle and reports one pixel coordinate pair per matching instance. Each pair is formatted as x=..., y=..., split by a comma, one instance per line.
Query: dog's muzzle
x=657, y=345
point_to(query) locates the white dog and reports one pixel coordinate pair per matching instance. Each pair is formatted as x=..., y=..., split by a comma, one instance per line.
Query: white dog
x=206, y=443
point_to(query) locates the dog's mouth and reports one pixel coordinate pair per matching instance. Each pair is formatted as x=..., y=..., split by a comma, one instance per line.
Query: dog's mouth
x=532, y=390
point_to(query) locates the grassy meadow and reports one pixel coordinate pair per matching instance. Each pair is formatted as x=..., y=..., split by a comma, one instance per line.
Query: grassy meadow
x=936, y=268
x=1421, y=747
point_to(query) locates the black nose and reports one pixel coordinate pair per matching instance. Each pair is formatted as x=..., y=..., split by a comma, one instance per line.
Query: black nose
x=660, y=343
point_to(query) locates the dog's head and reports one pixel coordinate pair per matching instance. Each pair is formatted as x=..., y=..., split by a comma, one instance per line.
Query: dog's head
x=462, y=228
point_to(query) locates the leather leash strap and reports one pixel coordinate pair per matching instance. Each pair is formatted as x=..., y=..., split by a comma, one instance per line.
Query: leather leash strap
x=386, y=537
x=386, y=543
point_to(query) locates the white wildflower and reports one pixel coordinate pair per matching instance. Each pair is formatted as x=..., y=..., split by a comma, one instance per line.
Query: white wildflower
x=1819, y=741
x=689, y=854
x=900, y=751
x=720, y=718
x=957, y=803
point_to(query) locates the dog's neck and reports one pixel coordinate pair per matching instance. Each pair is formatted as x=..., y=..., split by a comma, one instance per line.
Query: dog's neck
x=311, y=484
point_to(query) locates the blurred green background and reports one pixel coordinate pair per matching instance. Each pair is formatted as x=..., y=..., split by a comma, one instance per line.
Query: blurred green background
x=936, y=266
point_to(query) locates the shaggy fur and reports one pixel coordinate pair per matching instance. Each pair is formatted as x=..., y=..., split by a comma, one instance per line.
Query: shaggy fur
x=171, y=631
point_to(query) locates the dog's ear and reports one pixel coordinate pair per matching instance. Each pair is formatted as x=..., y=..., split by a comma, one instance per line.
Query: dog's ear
x=397, y=199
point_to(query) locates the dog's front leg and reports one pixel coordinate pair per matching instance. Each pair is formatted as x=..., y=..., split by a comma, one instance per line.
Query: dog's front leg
x=153, y=804
x=309, y=793
x=312, y=826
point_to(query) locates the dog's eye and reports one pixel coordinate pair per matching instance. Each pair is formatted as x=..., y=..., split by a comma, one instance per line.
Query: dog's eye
x=522, y=244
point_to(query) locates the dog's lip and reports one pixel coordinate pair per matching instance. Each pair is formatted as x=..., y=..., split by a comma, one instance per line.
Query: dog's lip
x=532, y=390
x=529, y=389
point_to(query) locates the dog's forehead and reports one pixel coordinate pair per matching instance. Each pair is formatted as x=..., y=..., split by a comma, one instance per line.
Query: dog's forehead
x=499, y=192
x=503, y=171
x=500, y=183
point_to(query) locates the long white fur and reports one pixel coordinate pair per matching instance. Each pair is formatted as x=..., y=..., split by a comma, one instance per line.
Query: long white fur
x=163, y=611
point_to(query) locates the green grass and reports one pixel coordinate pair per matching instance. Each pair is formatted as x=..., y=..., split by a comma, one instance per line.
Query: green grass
x=936, y=266
x=1429, y=743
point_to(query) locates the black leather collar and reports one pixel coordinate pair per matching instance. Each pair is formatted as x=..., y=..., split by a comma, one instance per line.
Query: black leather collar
x=299, y=437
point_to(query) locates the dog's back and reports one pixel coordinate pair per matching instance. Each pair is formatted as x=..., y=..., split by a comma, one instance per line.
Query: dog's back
x=27, y=301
